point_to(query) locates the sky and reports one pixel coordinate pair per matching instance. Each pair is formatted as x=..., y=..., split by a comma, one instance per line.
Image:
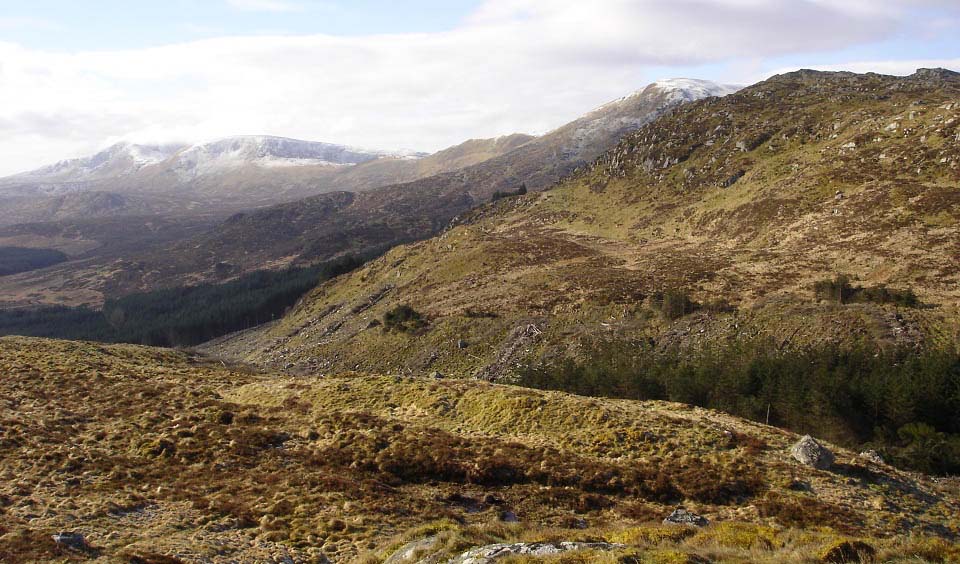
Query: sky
x=76, y=77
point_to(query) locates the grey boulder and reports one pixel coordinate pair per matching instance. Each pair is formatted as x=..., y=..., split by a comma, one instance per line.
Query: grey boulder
x=681, y=516
x=811, y=453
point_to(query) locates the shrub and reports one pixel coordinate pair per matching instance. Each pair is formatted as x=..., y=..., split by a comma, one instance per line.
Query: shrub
x=848, y=551
x=674, y=303
x=837, y=290
x=403, y=318
x=805, y=512
x=499, y=195
x=412, y=455
x=841, y=291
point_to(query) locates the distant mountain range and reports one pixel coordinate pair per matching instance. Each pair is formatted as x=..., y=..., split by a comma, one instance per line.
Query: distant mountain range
x=221, y=176
x=371, y=205
x=124, y=160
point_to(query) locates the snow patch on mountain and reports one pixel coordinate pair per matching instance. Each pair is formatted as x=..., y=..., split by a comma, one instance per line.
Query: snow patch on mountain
x=677, y=90
x=692, y=89
x=119, y=160
x=632, y=111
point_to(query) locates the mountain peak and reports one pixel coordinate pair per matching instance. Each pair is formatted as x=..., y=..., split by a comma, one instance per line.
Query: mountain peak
x=117, y=160
x=937, y=74
x=693, y=89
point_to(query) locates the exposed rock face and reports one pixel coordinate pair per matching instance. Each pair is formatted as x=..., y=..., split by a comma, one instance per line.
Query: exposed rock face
x=808, y=451
x=681, y=516
x=490, y=553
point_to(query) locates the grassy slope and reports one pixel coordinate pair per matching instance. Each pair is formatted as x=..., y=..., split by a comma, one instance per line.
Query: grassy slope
x=152, y=452
x=579, y=261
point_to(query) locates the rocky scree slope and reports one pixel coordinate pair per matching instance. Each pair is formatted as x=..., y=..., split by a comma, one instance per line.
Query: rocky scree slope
x=153, y=455
x=747, y=199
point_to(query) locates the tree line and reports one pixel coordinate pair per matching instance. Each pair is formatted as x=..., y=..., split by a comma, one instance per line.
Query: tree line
x=181, y=316
x=905, y=403
x=14, y=260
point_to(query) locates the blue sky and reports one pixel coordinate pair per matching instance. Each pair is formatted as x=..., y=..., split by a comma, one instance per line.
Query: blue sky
x=421, y=74
x=122, y=24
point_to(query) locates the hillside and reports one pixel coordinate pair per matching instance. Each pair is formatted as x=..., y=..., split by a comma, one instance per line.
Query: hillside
x=338, y=223
x=683, y=265
x=333, y=224
x=157, y=456
x=747, y=199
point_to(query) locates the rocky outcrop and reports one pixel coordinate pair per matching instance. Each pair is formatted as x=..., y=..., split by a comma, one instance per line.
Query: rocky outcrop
x=811, y=453
x=681, y=516
x=490, y=553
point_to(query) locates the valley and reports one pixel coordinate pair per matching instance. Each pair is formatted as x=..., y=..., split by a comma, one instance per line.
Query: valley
x=701, y=323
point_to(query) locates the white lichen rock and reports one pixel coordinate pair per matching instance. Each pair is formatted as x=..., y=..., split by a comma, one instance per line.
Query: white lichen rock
x=493, y=552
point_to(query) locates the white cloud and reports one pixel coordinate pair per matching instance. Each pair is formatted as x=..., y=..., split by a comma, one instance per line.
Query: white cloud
x=265, y=5
x=514, y=65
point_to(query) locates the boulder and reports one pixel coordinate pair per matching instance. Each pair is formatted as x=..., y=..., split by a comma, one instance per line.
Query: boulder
x=509, y=517
x=412, y=551
x=73, y=541
x=811, y=453
x=681, y=516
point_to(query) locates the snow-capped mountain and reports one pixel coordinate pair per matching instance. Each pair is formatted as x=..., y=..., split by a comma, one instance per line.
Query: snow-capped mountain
x=671, y=90
x=271, y=152
x=632, y=111
x=692, y=89
x=190, y=161
x=120, y=160
x=247, y=172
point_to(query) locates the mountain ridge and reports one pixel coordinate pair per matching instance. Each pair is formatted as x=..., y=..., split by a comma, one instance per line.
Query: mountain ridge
x=330, y=225
x=748, y=199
